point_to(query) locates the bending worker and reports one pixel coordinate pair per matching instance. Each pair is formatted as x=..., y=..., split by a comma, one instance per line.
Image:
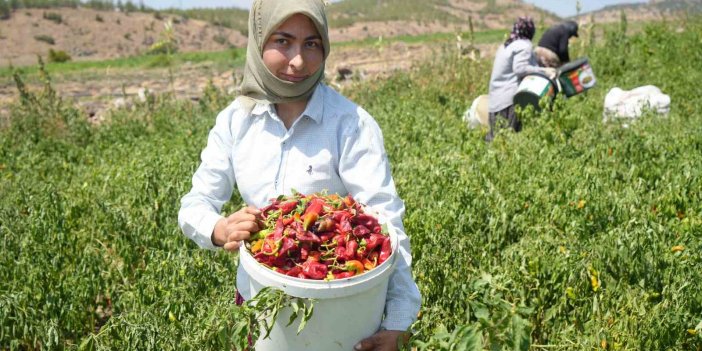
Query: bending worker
x=552, y=50
x=514, y=60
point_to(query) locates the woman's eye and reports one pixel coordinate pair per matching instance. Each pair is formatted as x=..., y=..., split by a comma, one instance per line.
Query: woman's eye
x=312, y=44
x=281, y=41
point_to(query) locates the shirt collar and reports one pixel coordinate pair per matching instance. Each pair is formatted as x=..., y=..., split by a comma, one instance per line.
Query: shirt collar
x=314, y=109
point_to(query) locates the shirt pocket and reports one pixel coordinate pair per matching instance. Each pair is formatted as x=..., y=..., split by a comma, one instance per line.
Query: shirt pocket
x=310, y=172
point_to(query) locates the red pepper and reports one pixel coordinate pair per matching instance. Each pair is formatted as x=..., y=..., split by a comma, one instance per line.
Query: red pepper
x=340, y=252
x=365, y=220
x=343, y=275
x=314, y=256
x=361, y=251
x=354, y=266
x=304, y=251
x=371, y=261
x=314, y=270
x=374, y=240
x=351, y=247
x=340, y=240
x=270, y=246
x=337, y=216
x=385, y=251
x=287, y=206
x=286, y=245
x=345, y=226
x=325, y=224
x=349, y=201
x=326, y=236
x=360, y=231
x=294, y=272
x=307, y=237
x=313, y=211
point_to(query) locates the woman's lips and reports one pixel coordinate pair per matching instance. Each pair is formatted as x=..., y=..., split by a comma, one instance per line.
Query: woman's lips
x=292, y=78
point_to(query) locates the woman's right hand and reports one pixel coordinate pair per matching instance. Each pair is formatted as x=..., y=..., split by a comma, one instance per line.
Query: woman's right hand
x=230, y=231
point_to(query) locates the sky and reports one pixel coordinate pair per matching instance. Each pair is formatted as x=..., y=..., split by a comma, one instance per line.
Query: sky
x=563, y=8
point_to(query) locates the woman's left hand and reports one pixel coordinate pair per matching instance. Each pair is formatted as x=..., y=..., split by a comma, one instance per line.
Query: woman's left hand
x=384, y=340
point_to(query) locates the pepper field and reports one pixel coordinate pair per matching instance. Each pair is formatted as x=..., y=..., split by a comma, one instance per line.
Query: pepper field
x=572, y=235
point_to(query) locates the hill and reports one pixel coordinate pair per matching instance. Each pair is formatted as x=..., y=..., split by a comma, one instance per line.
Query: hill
x=351, y=20
x=653, y=10
x=85, y=33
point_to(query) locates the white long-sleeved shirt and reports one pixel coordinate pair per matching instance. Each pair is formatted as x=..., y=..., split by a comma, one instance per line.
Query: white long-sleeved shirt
x=511, y=64
x=334, y=145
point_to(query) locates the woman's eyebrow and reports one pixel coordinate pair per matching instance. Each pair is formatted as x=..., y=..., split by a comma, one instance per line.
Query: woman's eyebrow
x=290, y=36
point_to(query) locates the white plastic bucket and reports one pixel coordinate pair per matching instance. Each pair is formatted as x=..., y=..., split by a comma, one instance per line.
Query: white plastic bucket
x=532, y=89
x=345, y=310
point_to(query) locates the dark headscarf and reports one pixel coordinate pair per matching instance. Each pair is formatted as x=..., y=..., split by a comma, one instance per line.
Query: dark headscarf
x=523, y=29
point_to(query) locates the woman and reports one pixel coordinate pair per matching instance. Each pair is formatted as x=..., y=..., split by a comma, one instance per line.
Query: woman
x=290, y=131
x=513, y=61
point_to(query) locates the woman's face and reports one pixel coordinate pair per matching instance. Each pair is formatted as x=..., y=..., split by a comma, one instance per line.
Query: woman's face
x=294, y=51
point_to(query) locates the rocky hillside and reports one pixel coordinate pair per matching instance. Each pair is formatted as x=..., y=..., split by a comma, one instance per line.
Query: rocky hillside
x=91, y=34
x=354, y=19
x=653, y=10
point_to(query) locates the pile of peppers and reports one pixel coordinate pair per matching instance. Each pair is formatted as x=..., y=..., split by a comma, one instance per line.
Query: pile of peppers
x=319, y=236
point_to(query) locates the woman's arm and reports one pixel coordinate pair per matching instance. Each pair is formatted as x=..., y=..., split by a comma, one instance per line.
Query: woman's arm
x=212, y=184
x=523, y=62
x=365, y=171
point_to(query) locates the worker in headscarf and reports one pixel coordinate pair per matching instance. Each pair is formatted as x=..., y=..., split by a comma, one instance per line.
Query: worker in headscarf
x=552, y=50
x=514, y=60
x=288, y=132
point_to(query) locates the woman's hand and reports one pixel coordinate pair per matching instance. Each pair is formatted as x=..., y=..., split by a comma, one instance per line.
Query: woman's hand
x=230, y=231
x=384, y=340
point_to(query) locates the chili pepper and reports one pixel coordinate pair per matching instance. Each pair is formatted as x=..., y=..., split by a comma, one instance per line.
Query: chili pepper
x=371, y=261
x=270, y=246
x=314, y=209
x=286, y=245
x=260, y=234
x=361, y=251
x=325, y=236
x=351, y=247
x=342, y=275
x=354, y=266
x=304, y=251
x=365, y=220
x=340, y=252
x=348, y=201
x=345, y=226
x=308, y=237
x=385, y=251
x=287, y=206
x=361, y=231
x=374, y=240
x=294, y=272
x=267, y=210
x=256, y=246
x=314, y=256
x=340, y=240
x=314, y=270
x=337, y=216
x=325, y=224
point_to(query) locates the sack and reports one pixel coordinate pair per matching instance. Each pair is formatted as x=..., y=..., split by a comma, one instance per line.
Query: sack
x=477, y=114
x=633, y=103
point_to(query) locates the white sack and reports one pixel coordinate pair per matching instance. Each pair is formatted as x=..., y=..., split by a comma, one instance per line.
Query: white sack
x=477, y=114
x=633, y=103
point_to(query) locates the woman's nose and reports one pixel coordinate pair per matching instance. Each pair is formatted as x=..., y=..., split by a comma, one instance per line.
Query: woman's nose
x=297, y=61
